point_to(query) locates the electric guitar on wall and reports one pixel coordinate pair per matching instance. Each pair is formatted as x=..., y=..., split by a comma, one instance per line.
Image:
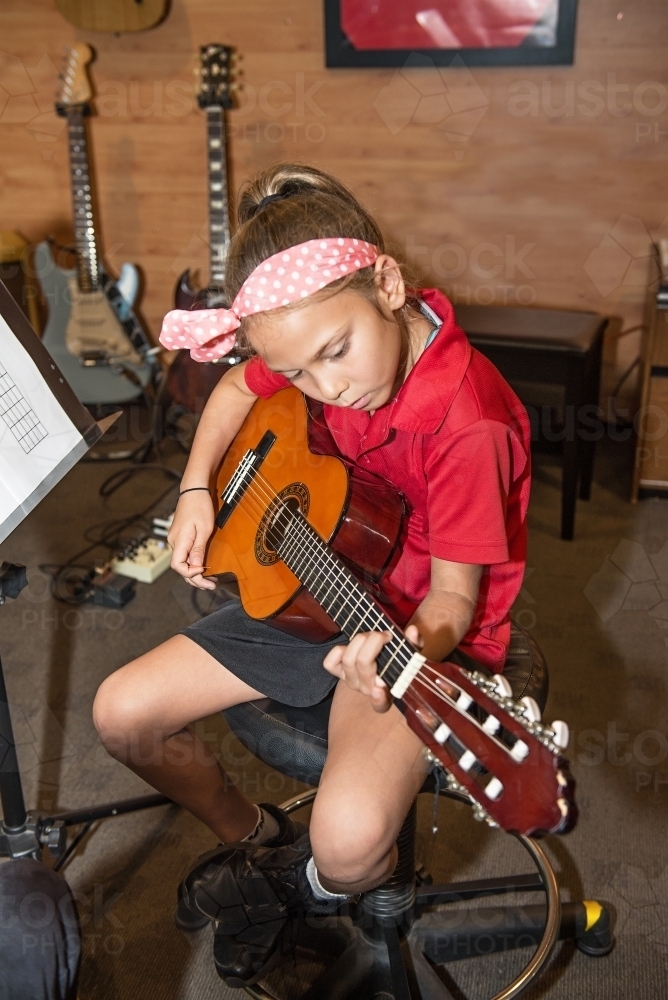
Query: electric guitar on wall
x=189, y=383
x=310, y=545
x=92, y=332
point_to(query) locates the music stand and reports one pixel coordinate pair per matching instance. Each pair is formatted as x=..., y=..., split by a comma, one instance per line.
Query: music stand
x=44, y=431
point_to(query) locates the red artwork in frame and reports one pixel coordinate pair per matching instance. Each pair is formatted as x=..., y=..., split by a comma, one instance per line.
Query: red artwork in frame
x=483, y=33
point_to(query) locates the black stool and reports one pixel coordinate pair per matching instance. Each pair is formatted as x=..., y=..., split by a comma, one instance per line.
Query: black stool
x=381, y=951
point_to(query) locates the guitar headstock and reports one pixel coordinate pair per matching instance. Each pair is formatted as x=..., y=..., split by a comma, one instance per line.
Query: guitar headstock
x=216, y=76
x=75, y=88
x=495, y=750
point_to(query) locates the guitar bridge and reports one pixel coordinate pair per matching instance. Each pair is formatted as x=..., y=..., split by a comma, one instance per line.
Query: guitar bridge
x=244, y=475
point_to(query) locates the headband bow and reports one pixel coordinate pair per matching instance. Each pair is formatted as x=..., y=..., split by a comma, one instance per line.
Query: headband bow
x=284, y=278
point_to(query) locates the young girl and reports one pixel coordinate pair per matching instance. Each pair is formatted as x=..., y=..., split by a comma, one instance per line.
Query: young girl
x=322, y=306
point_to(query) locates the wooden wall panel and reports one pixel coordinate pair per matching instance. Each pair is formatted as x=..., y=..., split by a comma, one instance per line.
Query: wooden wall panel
x=574, y=180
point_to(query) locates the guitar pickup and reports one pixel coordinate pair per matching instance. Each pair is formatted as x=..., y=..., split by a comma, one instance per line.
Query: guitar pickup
x=94, y=358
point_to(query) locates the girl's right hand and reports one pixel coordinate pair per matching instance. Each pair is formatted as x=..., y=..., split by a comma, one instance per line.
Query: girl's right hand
x=190, y=531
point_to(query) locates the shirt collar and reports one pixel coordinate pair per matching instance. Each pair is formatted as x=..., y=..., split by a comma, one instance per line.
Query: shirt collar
x=423, y=401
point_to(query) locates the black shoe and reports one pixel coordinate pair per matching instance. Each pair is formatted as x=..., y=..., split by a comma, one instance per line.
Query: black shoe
x=255, y=896
x=288, y=830
x=187, y=919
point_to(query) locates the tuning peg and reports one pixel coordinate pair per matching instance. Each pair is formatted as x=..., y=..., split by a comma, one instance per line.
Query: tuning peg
x=561, y=734
x=494, y=789
x=531, y=709
x=502, y=686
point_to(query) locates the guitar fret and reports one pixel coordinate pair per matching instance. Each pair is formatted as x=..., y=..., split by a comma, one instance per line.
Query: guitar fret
x=84, y=227
x=219, y=220
x=320, y=571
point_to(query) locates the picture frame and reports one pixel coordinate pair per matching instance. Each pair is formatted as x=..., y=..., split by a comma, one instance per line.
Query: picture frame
x=386, y=33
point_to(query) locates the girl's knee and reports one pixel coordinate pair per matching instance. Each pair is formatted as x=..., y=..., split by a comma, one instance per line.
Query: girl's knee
x=349, y=848
x=116, y=714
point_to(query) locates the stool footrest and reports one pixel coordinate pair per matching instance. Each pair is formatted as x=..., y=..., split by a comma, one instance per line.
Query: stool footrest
x=456, y=892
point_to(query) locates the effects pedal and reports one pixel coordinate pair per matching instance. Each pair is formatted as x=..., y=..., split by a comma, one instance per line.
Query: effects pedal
x=110, y=590
x=144, y=559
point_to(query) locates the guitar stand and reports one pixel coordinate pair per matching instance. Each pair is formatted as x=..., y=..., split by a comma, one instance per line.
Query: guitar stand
x=23, y=834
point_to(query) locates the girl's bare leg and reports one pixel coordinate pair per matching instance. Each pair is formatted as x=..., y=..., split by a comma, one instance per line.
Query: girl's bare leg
x=141, y=713
x=375, y=767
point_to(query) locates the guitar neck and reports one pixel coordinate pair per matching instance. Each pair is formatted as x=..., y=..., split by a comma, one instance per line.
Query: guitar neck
x=82, y=200
x=219, y=215
x=330, y=582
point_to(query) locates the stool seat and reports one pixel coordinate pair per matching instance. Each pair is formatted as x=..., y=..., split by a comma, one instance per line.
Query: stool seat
x=294, y=740
x=539, y=329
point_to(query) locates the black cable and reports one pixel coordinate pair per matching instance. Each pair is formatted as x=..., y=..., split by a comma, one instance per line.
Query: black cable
x=72, y=579
x=621, y=422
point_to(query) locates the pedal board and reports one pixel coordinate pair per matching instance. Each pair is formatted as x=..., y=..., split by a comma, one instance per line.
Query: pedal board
x=144, y=559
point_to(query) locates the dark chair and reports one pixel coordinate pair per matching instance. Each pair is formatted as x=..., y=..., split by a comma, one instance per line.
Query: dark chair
x=395, y=935
x=553, y=347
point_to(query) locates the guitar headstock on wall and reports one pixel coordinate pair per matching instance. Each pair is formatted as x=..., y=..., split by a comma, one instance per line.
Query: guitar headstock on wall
x=216, y=76
x=75, y=89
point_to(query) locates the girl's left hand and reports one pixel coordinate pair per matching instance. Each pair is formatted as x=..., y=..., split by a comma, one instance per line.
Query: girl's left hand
x=356, y=664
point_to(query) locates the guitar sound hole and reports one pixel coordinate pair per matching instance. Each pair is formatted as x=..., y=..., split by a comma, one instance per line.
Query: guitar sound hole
x=289, y=501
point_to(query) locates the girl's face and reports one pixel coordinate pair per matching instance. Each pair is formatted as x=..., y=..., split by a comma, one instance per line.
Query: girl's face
x=339, y=350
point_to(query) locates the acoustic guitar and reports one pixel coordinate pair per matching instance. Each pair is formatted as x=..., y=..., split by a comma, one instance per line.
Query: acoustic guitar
x=310, y=541
x=92, y=333
x=190, y=383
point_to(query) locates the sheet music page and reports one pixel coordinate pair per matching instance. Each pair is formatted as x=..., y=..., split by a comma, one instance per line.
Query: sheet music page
x=36, y=435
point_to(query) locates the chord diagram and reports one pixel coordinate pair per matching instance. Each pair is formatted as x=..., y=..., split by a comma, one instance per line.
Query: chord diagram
x=16, y=412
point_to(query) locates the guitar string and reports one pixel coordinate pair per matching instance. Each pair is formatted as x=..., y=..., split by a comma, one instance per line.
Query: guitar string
x=308, y=549
x=361, y=595
x=286, y=517
x=425, y=681
x=301, y=543
x=345, y=592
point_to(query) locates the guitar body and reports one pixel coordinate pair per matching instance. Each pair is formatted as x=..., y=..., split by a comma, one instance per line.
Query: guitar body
x=85, y=321
x=113, y=15
x=360, y=516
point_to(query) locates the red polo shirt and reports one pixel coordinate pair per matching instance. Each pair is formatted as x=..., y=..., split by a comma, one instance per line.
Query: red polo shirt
x=455, y=441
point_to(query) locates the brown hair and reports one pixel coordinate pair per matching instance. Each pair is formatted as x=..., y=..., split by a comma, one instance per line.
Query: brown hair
x=289, y=204
x=301, y=203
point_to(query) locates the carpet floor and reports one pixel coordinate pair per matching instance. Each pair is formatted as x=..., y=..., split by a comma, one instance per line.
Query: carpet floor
x=598, y=607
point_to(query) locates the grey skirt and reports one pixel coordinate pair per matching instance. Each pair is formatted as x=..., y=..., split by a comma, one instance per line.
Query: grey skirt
x=278, y=665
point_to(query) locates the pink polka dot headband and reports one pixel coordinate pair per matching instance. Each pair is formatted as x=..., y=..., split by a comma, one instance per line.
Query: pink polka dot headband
x=284, y=278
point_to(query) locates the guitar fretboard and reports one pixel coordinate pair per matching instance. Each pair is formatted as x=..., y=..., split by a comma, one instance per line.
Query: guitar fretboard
x=219, y=215
x=82, y=202
x=335, y=588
